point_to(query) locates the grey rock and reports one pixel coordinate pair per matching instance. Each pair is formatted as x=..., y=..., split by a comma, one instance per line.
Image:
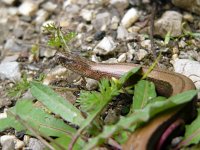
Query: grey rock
x=13, y=11
x=91, y=84
x=12, y=45
x=188, y=17
x=122, y=33
x=188, y=68
x=102, y=21
x=18, y=32
x=146, y=44
x=28, y=8
x=4, y=31
x=114, y=22
x=7, y=142
x=141, y=54
x=86, y=14
x=41, y=16
x=190, y=5
x=27, y=95
x=122, y=58
x=120, y=4
x=10, y=142
x=182, y=44
x=171, y=21
x=72, y=9
x=105, y=46
x=49, y=53
x=10, y=70
x=130, y=17
x=10, y=58
x=19, y=144
x=8, y=2
x=134, y=29
x=35, y=144
x=49, y=6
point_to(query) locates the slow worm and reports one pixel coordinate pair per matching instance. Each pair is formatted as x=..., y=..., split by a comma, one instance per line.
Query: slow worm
x=167, y=84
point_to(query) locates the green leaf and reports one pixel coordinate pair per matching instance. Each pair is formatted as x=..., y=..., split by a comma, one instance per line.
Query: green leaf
x=156, y=99
x=42, y=122
x=65, y=142
x=127, y=75
x=140, y=116
x=192, y=133
x=167, y=37
x=144, y=91
x=10, y=122
x=56, y=103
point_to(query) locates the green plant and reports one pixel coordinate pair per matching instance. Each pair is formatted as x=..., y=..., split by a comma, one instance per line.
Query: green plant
x=19, y=88
x=22, y=86
x=58, y=38
x=26, y=115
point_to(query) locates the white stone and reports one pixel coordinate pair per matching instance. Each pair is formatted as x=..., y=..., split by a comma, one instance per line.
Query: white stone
x=49, y=6
x=42, y=15
x=36, y=144
x=130, y=17
x=146, y=44
x=19, y=144
x=49, y=53
x=122, y=33
x=141, y=54
x=188, y=68
x=5, y=138
x=120, y=4
x=102, y=20
x=10, y=70
x=114, y=22
x=12, y=11
x=28, y=8
x=105, y=46
x=8, y=2
x=3, y=115
x=86, y=14
x=72, y=9
x=122, y=58
x=182, y=44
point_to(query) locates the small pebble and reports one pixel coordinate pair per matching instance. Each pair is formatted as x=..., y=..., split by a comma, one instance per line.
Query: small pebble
x=10, y=70
x=91, y=84
x=49, y=6
x=35, y=144
x=105, y=46
x=130, y=17
x=99, y=35
x=28, y=8
x=141, y=54
x=41, y=17
x=122, y=58
x=86, y=14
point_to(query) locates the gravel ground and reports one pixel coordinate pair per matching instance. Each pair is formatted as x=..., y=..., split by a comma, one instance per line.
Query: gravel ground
x=113, y=31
